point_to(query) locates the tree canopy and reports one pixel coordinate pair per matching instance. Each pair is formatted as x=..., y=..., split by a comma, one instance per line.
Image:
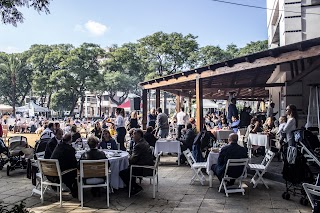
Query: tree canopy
x=10, y=13
x=59, y=75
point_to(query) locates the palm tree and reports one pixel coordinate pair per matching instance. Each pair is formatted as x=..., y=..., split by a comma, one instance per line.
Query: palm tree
x=14, y=79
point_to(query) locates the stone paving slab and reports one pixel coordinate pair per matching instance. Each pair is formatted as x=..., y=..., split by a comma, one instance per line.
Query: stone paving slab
x=175, y=195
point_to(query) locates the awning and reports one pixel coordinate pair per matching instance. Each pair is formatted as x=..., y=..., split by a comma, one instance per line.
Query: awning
x=125, y=104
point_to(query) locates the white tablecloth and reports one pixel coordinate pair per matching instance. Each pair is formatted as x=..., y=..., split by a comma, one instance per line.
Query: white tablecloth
x=116, y=165
x=212, y=159
x=259, y=140
x=171, y=146
x=223, y=134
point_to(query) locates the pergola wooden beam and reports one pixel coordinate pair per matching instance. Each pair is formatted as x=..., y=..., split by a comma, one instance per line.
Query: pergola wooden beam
x=315, y=65
x=258, y=63
x=177, y=87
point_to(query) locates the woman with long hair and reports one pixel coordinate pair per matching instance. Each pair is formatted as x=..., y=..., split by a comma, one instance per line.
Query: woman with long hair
x=97, y=131
x=120, y=128
x=134, y=120
x=292, y=122
x=107, y=142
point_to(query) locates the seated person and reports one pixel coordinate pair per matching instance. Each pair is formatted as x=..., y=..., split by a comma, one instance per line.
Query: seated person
x=149, y=136
x=74, y=133
x=235, y=123
x=254, y=127
x=187, y=141
x=65, y=154
x=132, y=143
x=106, y=140
x=269, y=127
x=230, y=151
x=280, y=133
x=141, y=155
x=223, y=123
x=93, y=154
x=51, y=145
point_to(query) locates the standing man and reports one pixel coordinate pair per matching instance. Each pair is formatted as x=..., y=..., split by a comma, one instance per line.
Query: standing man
x=162, y=124
x=232, y=110
x=270, y=110
x=181, y=121
x=152, y=117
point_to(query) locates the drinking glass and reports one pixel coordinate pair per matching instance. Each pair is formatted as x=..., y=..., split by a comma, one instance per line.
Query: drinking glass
x=108, y=146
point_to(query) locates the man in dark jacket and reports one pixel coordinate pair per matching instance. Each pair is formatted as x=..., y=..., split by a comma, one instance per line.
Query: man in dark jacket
x=65, y=154
x=230, y=151
x=232, y=109
x=149, y=136
x=51, y=145
x=187, y=141
x=141, y=155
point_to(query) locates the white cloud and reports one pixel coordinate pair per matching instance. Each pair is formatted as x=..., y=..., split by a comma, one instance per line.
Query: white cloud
x=92, y=27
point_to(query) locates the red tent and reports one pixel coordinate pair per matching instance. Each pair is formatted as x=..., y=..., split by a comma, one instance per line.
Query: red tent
x=125, y=104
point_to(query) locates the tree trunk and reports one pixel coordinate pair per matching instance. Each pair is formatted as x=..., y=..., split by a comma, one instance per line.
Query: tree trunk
x=49, y=100
x=81, y=105
x=74, y=100
x=14, y=100
x=100, y=100
x=124, y=97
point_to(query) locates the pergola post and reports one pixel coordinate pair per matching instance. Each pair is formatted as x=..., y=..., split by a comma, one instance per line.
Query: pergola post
x=199, y=102
x=157, y=98
x=190, y=106
x=178, y=103
x=144, y=108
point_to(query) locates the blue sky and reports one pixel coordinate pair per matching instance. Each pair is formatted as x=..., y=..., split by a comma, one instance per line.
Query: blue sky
x=107, y=22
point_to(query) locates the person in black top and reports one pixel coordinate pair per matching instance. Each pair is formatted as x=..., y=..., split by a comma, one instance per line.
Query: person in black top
x=187, y=141
x=65, y=154
x=134, y=120
x=230, y=151
x=152, y=117
x=51, y=145
x=74, y=133
x=97, y=131
x=141, y=155
x=149, y=136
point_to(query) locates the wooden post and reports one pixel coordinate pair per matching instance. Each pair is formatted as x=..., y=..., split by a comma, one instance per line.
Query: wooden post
x=199, y=102
x=144, y=108
x=189, y=106
x=157, y=98
x=178, y=103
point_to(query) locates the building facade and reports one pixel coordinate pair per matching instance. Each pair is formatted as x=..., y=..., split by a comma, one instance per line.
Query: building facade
x=292, y=21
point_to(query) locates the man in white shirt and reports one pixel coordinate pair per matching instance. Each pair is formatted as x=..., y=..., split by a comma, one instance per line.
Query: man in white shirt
x=181, y=121
x=48, y=132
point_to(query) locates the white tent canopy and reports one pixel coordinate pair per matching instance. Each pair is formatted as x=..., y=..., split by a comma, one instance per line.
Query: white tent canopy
x=4, y=107
x=32, y=108
x=208, y=104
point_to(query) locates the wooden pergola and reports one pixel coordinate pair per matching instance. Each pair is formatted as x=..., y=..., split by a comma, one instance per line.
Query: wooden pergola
x=245, y=76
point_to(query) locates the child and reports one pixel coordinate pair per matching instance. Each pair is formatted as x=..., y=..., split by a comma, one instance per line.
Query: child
x=280, y=133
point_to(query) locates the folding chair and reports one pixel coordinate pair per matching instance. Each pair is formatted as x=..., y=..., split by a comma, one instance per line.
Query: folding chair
x=152, y=177
x=312, y=192
x=261, y=169
x=242, y=136
x=234, y=163
x=51, y=167
x=196, y=167
x=97, y=169
x=34, y=163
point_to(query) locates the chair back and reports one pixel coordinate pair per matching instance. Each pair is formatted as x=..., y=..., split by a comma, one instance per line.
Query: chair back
x=312, y=192
x=94, y=168
x=156, y=165
x=236, y=166
x=49, y=167
x=268, y=159
x=187, y=153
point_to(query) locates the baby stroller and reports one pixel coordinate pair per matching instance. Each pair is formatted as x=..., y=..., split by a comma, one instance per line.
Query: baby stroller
x=3, y=154
x=297, y=167
x=16, y=157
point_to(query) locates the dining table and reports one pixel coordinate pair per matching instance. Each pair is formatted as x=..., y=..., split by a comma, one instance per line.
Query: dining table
x=169, y=146
x=258, y=139
x=212, y=159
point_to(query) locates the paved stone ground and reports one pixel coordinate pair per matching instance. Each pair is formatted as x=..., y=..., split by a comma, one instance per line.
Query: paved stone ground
x=175, y=195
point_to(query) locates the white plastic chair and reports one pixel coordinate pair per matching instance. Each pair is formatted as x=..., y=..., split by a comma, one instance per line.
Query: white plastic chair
x=94, y=169
x=36, y=189
x=196, y=167
x=261, y=169
x=153, y=177
x=51, y=167
x=311, y=191
x=234, y=163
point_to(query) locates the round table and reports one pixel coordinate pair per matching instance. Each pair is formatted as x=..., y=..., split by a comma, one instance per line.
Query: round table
x=119, y=160
x=212, y=159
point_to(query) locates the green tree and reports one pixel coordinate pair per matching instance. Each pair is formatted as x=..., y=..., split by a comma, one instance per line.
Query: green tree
x=44, y=60
x=167, y=53
x=253, y=47
x=9, y=9
x=63, y=100
x=15, y=78
x=78, y=70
